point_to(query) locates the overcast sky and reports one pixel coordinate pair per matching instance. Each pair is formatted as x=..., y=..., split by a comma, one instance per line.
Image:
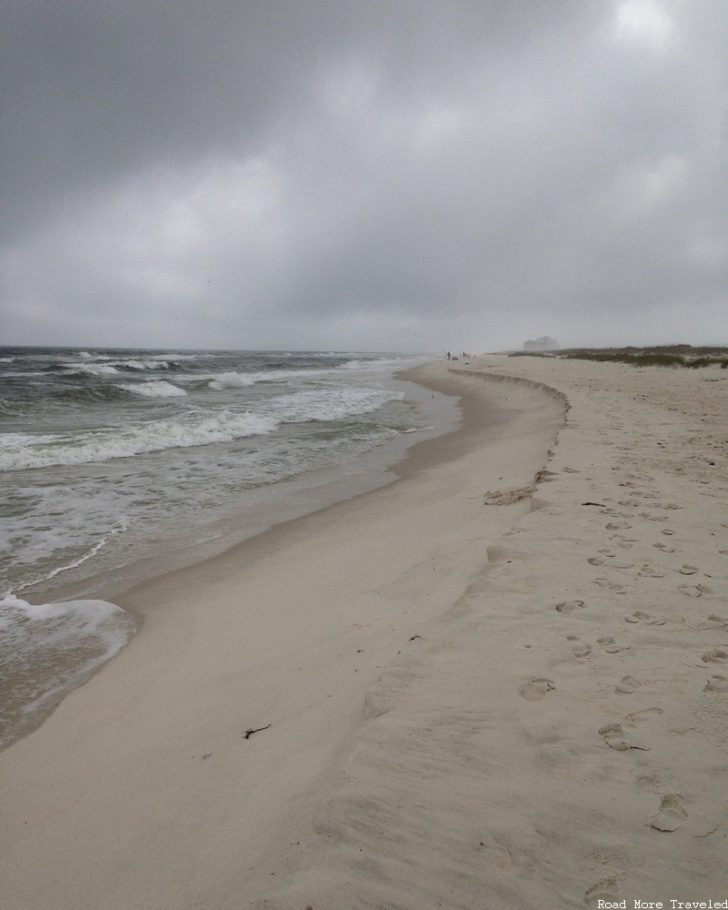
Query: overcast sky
x=403, y=175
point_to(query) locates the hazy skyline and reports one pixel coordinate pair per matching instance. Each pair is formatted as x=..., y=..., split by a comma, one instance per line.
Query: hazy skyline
x=364, y=175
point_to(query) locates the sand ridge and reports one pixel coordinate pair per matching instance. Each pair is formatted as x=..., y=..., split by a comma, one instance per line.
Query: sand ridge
x=558, y=736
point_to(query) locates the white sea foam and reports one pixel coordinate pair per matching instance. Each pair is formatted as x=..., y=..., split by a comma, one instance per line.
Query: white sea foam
x=173, y=355
x=71, y=620
x=87, y=355
x=155, y=388
x=384, y=363
x=91, y=369
x=74, y=564
x=23, y=450
x=232, y=381
x=331, y=403
x=90, y=362
x=150, y=364
x=6, y=359
x=63, y=643
x=220, y=381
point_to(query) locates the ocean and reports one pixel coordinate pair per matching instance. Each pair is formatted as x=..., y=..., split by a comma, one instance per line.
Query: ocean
x=117, y=464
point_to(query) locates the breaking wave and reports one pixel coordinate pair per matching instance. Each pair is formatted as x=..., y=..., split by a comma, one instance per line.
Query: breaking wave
x=331, y=403
x=155, y=388
x=21, y=450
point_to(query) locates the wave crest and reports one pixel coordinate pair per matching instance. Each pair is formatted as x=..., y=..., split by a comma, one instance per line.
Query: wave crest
x=20, y=450
x=155, y=388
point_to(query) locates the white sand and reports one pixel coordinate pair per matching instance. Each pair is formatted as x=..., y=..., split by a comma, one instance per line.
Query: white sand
x=513, y=704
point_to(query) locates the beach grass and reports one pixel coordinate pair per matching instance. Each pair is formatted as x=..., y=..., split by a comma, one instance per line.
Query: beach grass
x=679, y=355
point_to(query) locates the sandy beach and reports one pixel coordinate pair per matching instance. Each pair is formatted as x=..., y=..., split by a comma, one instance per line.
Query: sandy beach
x=500, y=681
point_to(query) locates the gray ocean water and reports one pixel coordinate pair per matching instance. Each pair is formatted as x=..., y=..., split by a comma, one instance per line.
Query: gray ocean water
x=110, y=458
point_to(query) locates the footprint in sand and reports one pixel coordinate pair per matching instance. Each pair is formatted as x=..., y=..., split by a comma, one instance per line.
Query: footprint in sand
x=608, y=585
x=609, y=645
x=649, y=571
x=645, y=618
x=618, y=525
x=607, y=559
x=579, y=648
x=599, y=560
x=717, y=683
x=694, y=590
x=687, y=570
x=665, y=547
x=712, y=622
x=615, y=737
x=568, y=606
x=715, y=656
x=670, y=815
x=508, y=497
x=627, y=686
x=614, y=734
x=536, y=689
x=501, y=853
x=639, y=717
x=667, y=532
x=604, y=890
x=648, y=517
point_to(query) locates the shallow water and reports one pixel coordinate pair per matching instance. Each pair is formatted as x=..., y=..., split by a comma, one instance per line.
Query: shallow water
x=115, y=464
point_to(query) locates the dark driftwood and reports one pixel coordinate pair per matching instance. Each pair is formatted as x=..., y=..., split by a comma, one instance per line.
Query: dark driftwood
x=249, y=732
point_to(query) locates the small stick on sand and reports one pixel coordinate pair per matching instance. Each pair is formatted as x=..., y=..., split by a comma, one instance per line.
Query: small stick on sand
x=248, y=733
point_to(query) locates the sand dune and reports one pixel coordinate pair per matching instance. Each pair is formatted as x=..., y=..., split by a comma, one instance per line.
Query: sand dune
x=500, y=682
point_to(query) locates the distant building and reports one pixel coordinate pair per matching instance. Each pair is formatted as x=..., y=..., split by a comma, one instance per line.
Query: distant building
x=541, y=344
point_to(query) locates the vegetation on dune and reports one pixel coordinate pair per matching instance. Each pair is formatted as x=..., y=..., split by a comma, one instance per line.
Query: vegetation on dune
x=677, y=355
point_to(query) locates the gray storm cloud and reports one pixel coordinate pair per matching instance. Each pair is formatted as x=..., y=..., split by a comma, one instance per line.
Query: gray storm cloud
x=398, y=175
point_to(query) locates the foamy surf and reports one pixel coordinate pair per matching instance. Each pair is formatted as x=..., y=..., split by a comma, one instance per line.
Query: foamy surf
x=21, y=450
x=90, y=369
x=48, y=649
x=232, y=381
x=331, y=403
x=220, y=381
x=116, y=461
x=155, y=388
x=83, y=557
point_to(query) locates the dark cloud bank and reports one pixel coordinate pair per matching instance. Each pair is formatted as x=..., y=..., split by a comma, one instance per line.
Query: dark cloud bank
x=365, y=175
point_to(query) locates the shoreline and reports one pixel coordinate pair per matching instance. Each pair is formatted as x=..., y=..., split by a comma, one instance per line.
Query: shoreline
x=266, y=508
x=482, y=412
x=466, y=686
x=290, y=628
